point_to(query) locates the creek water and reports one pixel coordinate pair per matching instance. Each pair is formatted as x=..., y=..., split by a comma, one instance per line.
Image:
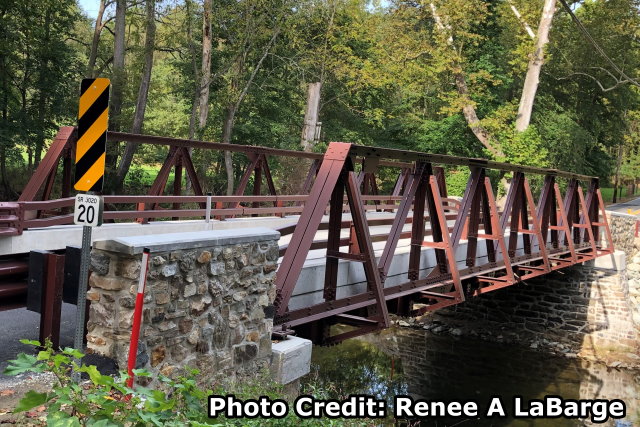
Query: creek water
x=418, y=363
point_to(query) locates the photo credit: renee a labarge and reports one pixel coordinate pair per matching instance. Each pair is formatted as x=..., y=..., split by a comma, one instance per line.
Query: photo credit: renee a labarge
x=406, y=407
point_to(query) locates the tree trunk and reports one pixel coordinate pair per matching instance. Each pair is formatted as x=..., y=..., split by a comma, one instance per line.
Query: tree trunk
x=96, y=39
x=118, y=78
x=311, y=116
x=4, y=139
x=232, y=108
x=5, y=117
x=43, y=91
x=470, y=115
x=615, y=184
x=196, y=76
x=468, y=109
x=118, y=64
x=143, y=93
x=535, y=65
x=200, y=106
x=206, y=69
x=227, y=131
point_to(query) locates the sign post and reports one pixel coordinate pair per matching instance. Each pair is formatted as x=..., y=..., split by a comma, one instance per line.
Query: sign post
x=93, y=116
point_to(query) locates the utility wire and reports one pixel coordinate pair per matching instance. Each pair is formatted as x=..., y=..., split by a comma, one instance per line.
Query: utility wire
x=586, y=33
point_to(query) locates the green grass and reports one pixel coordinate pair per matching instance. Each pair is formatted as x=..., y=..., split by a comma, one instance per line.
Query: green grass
x=607, y=194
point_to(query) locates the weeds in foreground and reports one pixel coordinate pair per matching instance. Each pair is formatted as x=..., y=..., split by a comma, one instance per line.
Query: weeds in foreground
x=106, y=401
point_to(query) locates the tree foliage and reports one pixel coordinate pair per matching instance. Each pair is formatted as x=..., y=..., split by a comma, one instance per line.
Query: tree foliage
x=389, y=73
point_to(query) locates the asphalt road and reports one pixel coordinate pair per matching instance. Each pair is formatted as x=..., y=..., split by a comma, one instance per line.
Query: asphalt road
x=22, y=324
x=634, y=205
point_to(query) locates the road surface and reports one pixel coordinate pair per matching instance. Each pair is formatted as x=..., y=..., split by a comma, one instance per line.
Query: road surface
x=631, y=206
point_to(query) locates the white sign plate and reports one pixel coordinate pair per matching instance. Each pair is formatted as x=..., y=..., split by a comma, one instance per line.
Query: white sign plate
x=88, y=210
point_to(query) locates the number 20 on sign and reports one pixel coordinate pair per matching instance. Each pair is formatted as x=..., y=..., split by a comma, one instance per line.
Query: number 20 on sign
x=88, y=210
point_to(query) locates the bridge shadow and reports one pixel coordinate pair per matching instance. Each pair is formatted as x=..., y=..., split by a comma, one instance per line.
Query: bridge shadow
x=567, y=307
x=445, y=368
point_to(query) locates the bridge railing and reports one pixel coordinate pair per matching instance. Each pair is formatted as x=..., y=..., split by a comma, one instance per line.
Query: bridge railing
x=142, y=209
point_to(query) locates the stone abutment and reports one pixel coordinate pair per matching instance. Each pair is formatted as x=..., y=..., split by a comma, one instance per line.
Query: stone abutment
x=591, y=310
x=208, y=301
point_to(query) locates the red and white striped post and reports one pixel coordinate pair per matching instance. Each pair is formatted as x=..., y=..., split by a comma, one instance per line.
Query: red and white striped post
x=137, y=316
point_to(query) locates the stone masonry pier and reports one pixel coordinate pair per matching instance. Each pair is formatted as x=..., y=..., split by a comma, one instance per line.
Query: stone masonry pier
x=208, y=301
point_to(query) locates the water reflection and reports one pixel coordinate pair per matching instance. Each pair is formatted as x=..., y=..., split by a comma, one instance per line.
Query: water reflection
x=424, y=365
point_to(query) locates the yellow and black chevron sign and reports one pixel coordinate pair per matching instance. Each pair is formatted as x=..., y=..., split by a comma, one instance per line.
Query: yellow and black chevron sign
x=91, y=148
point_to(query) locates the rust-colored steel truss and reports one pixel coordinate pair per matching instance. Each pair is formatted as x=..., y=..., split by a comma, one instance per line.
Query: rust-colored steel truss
x=523, y=241
x=496, y=247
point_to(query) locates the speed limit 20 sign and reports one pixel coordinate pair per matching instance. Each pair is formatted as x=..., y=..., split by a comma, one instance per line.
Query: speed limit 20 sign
x=88, y=210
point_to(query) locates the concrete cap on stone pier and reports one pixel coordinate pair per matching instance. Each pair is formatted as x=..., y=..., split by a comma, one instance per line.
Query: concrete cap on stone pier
x=134, y=245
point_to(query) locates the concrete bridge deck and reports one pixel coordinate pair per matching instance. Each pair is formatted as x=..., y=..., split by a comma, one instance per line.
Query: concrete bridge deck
x=309, y=288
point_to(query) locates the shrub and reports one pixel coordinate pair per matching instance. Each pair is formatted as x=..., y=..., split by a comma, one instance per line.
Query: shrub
x=105, y=401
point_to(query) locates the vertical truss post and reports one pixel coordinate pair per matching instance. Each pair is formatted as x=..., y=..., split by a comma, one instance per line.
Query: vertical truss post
x=472, y=227
x=475, y=181
x=553, y=219
x=592, y=208
x=333, y=240
x=417, y=224
x=524, y=217
x=442, y=183
x=571, y=210
x=257, y=183
x=564, y=225
x=177, y=180
x=585, y=222
x=488, y=191
x=293, y=260
x=488, y=219
x=438, y=231
x=446, y=244
x=515, y=209
x=546, y=209
x=537, y=227
x=413, y=182
x=498, y=237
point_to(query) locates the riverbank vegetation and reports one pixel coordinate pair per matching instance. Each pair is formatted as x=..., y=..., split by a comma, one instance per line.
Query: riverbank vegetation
x=106, y=401
x=457, y=77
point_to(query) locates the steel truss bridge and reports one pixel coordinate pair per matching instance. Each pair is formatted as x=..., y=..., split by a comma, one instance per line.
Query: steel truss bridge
x=557, y=230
